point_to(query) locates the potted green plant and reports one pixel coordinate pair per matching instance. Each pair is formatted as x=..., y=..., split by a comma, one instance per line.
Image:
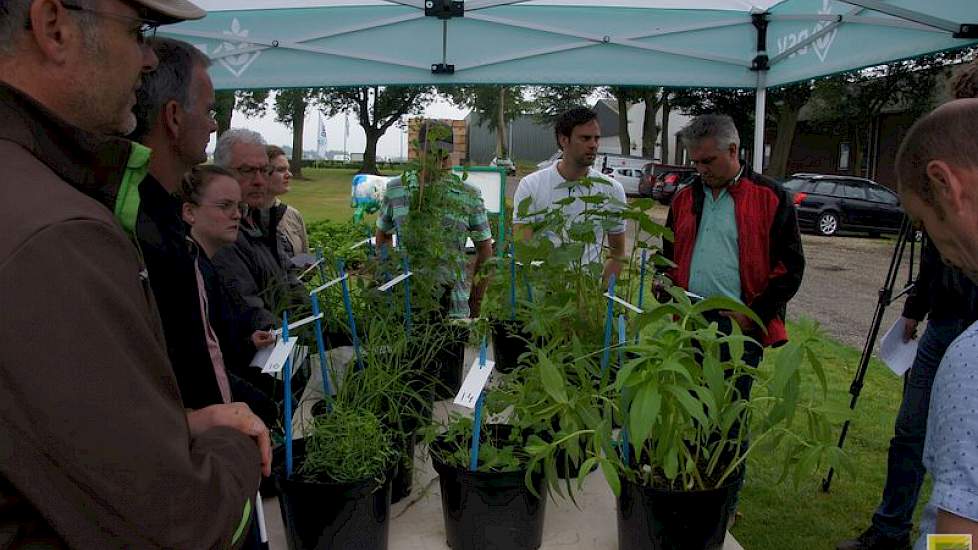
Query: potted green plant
x=688, y=427
x=339, y=494
x=498, y=505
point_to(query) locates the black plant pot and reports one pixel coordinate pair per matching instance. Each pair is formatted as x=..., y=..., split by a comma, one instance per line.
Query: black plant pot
x=659, y=519
x=446, y=366
x=331, y=516
x=337, y=337
x=490, y=511
x=509, y=342
x=403, y=480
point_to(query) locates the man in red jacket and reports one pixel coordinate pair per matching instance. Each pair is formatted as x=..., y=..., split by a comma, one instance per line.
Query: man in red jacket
x=736, y=234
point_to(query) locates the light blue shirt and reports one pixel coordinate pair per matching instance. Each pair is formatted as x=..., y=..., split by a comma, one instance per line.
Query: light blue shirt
x=951, y=447
x=715, y=268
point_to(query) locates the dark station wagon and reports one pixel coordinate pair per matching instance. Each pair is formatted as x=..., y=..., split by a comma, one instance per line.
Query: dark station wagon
x=829, y=204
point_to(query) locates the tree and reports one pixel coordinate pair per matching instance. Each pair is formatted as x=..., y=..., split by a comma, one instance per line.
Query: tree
x=550, y=101
x=290, y=109
x=377, y=108
x=738, y=104
x=666, y=108
x=496, y=107
x=252, y=103
x=849, y=103
x=785, y=104
x=653, y=100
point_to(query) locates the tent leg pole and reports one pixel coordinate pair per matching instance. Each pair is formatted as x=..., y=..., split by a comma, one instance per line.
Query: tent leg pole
x=760, y=104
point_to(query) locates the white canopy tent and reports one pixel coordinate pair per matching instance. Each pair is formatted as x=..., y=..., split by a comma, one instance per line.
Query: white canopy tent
x=677, y=43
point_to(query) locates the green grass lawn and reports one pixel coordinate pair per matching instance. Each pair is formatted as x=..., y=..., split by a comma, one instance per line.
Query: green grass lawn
x=782, y=516
x=774, y=517
x=322, y=194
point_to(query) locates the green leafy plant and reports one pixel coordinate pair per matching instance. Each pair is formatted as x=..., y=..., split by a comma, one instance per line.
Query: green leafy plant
x=688, y=425
x=347, y=445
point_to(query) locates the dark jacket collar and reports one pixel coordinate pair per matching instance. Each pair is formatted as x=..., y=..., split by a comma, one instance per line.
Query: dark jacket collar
x=92, y=163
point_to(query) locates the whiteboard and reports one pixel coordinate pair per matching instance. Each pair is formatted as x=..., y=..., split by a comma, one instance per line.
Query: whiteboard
x=489, y=182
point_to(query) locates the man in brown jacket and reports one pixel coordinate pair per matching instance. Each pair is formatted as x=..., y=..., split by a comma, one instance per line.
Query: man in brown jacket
x=96, y=448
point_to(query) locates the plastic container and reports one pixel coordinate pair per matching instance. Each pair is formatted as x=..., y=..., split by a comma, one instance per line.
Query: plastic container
x=333, y=516
x=489, y=510
x=509, y=342
x=659, y=519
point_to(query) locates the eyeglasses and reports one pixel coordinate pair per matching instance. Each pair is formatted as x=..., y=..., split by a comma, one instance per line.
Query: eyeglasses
x=251, y=171
x=145, y=31
x=228, y=207
x=212, y=114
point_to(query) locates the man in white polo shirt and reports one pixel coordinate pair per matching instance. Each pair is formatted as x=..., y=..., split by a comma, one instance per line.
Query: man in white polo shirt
x=577, y=132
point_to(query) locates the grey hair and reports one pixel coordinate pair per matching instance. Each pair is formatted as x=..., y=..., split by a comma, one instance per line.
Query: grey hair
x=169, y=82
x=719, y=127
x=232, y=137
x=14, y=20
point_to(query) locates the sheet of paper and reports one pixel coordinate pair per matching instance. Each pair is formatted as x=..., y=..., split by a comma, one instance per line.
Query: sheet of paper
x=897, y=354
x=280, y=353
x=261, y=357
x=474, y=383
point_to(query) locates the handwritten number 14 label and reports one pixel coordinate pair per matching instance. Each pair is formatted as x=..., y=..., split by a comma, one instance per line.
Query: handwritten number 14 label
x=473, y=385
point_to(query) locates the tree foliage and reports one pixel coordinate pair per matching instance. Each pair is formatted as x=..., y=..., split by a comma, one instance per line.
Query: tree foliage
x=377, y=108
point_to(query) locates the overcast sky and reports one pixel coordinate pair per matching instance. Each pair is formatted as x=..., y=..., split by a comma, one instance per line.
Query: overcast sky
x=390, y=144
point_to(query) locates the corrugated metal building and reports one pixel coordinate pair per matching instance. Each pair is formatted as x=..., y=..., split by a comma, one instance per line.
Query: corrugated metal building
x=529, y=141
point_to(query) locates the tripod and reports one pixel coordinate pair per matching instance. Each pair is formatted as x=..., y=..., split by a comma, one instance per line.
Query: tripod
x=886, y=297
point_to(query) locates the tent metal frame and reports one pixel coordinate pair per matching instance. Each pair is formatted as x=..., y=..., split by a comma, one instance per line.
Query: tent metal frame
x=898, y=17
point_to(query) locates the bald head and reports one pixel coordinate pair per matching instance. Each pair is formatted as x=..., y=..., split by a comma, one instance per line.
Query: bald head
x=946, y=134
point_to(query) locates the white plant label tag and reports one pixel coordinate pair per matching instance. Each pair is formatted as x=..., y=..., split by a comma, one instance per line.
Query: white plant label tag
x=616, y=299
x=299, y=323
x=337, y=280
x=473, y=385
x=280, y=353
x=390, y=284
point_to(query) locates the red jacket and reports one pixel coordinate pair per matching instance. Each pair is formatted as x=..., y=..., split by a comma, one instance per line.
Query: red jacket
x=771, y=259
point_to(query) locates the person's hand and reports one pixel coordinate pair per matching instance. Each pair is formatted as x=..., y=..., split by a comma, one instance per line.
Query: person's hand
x=262, y=338
x=237, y=416
x=745, y=322
x=909, y=329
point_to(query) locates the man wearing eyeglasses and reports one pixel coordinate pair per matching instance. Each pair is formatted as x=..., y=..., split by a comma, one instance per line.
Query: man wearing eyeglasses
x=96, y=447
x=255, y=266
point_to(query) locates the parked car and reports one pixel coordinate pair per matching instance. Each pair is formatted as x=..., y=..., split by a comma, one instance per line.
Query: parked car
x=629, y=178
x=504, y=163
x=829, y=204
x=661, y=181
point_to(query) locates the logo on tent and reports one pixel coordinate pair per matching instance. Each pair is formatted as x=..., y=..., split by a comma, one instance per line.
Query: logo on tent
x=820, y=45
x=236, y=64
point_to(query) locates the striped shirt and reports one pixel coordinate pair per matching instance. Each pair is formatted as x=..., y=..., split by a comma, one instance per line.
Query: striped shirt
x=464, y=216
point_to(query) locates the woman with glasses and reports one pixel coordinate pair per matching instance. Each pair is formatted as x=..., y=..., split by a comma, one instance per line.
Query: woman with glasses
x=212, y=209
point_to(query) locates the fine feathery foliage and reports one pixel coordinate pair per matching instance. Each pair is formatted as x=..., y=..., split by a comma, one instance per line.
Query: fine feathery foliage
x=347, y=445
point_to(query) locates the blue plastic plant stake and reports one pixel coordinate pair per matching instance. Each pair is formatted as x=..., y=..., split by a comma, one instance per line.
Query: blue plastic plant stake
x=322, y=272
x=641, y=281
x=288, y=399
x=512, y=282
x=349, y=314
x=407, y=296
x=608, y=325
x=477, y=420
x=624, y=445
x=323, y=356
x=621, y=340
